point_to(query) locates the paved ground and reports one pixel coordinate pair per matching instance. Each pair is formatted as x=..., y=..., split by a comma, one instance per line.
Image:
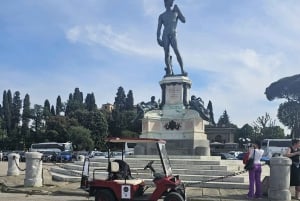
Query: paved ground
x=11, y=189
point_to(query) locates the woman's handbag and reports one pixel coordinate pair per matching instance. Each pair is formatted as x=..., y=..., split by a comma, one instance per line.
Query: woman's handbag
x=250, y=163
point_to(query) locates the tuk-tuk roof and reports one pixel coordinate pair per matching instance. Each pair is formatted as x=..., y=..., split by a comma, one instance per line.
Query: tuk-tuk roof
x=134, y=140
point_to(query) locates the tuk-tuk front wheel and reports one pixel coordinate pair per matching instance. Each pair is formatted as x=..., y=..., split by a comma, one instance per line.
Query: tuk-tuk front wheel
x=173, y=196
x=104, y=195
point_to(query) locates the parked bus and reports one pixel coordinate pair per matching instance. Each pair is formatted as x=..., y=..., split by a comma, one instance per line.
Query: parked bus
x=51, y=146
x=275, y=147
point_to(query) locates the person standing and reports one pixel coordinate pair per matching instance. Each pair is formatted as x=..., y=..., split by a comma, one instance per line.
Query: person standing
x=255, y=188
x=246, y=155
x=169, y=20
x=293, y=152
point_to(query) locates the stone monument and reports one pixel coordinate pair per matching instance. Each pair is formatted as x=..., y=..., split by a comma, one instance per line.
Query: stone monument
x=178, y=119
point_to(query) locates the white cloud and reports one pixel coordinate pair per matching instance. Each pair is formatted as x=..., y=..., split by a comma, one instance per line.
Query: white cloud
x=103, y=35
x=152, y=8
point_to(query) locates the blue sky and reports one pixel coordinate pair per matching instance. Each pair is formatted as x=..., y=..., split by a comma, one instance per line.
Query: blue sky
x=232, y=50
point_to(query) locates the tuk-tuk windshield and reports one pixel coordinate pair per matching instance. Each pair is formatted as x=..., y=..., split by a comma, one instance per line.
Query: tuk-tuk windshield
x=164, y=159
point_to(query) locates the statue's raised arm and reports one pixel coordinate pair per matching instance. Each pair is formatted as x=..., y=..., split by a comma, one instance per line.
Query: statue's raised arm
x=168, y=20
x=180, y=16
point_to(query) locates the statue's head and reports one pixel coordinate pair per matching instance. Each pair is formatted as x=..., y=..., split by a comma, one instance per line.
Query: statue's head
x=168, y=3
x=152, y=98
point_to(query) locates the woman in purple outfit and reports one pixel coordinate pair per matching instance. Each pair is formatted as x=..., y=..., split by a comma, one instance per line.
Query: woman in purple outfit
x=255, y=173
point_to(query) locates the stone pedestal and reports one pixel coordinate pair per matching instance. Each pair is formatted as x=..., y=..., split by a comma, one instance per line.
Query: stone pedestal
x=34, y=166
x=175, y=91
x=182, y=128
x=279, y=179
x=13, y=163
x=81, y=158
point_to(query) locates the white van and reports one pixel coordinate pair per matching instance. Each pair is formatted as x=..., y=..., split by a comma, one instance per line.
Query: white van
x=275, y=147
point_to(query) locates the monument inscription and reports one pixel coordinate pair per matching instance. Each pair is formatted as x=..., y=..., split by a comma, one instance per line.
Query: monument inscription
x=174, y=94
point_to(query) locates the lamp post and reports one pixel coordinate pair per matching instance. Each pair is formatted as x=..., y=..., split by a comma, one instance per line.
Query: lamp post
x=244, y=141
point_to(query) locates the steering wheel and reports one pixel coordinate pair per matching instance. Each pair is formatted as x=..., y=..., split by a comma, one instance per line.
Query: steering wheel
x=149, y=165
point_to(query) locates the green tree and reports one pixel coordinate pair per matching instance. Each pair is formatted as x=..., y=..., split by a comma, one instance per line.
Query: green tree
x=38, y=126
x=1, y=114
x=59, y=106
x=289, y=115
x=7, y=111
x=115, y=124
x=58, y=128
x=90, y=102
x=287, y=88
x=46, y=109
x=273, y=132
x=129, y=100
x=265, y=127
x=82, y=117
x=16, y=110
x=78, y=96
x=246, y=132
x=98, y=126
x=95, y=121
x=120, y=99
x=26, y=115
x=14, y=132
x=211, y=113
x=75, y=102
x=1, y=127
x=52, y=110
x=121, y=122
x=81, y=137
x=52, y=136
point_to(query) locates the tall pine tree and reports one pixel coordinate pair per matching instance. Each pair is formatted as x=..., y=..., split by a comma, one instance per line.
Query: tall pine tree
x=26, y=115
x=46, y=109
x=75, y=102
x=90, y=102
x=52, y=111
x=7, y=111
x=120, y=99
x=16, y=110
x=59, y=106
x=129, y=100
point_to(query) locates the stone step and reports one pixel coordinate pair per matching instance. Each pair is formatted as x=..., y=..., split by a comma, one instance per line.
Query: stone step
x=173, y=162
x=215, y=166
x=147, y=175
x=193, y=171
x=223, y=185
x=65, y=178
x=141, y=166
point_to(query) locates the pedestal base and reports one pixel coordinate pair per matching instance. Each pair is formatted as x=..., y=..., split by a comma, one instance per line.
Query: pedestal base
x=181, y=127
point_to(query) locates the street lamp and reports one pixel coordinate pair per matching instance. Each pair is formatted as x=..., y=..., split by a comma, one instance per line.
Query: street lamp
x=244, y=141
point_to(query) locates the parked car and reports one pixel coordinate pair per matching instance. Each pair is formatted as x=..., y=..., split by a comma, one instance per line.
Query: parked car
x=235, y=153
x=77, y=153
x=227, y=156
x=99, y=154
x=241, y=156
x=5, y=156
x=115, y=154
x=22, y=156
x=49, y=156
x=64, y=156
